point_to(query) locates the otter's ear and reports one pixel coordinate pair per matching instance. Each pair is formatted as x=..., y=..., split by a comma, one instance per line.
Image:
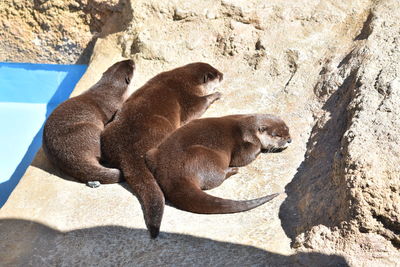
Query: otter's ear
x=208, y=76
x=249, y=137
x=127, y=80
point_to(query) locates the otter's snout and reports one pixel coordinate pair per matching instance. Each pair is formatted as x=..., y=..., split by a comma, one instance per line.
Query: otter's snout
x=220, y=76
x=285, y=142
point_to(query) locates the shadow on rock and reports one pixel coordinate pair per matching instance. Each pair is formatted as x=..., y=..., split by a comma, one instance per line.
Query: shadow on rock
x=105, y=19
x=27, y=243
x=318, y=194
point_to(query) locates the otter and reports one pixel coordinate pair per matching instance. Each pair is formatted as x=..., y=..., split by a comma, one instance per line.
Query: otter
x=166, y=102
x=203, y=153
x=71, y=136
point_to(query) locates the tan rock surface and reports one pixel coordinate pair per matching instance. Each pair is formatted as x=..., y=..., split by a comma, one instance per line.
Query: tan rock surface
x=57, y=31
x=350, y=178
x=313, y=63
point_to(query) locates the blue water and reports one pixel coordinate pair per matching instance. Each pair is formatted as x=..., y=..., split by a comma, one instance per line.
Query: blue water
x=28, y=94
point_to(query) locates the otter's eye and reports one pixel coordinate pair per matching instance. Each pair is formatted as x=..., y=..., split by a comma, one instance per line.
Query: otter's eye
x=262, y=129
x=275, y=135
x=209, y=76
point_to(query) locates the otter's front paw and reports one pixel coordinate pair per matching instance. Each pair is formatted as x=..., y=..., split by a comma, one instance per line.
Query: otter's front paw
x=214, y=97
x=231, y=171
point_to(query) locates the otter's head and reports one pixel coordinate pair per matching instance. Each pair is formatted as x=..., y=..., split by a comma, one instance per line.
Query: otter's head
x=120, y=73
x=201, y=77
x=270, y=131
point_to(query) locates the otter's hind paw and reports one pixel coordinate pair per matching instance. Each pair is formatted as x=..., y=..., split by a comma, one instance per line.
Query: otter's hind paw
x=93, y=184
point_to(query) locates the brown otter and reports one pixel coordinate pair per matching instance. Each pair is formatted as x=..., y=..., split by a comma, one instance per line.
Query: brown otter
x=203, y=153
x=71, y=136
x=155, y=110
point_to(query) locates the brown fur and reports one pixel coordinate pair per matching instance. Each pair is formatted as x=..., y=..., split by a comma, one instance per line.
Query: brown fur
x=71, y=137
x=155, y=110
x=202, y=154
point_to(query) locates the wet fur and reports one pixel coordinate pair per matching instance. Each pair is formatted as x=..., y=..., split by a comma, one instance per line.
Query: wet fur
x=202, y=154
x=71, y=137
x=154, y=111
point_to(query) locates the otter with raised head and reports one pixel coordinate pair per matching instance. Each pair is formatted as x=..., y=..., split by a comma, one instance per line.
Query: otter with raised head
x=203, y=153
x=164, y=103
x=71, y=136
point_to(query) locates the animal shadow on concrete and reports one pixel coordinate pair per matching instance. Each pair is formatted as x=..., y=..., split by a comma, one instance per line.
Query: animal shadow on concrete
x=28, y=243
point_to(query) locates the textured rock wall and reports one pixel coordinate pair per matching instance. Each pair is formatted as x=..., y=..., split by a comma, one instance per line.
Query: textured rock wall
x=329, y=68
x=51, y=31
x=350, y=179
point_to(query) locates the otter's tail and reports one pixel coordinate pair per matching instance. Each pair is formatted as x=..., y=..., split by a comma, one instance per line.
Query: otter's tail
x=148, y=192
x=94, y=171
x=189, y=197
x=85, y=170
